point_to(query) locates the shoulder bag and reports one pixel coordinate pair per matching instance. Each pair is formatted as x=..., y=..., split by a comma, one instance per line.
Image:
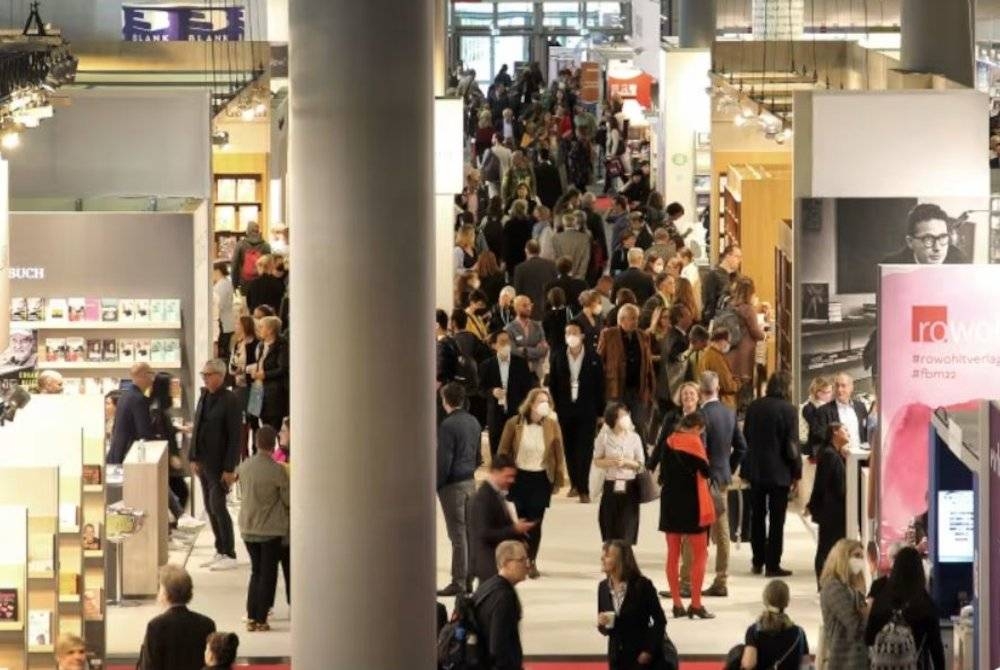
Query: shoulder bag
x=649, y=490
x=255, y=402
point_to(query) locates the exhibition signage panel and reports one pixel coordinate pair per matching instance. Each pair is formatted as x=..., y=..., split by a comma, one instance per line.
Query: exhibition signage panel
x=590, y=82
x=638, y=85
x=181, y=23
x=939, y=334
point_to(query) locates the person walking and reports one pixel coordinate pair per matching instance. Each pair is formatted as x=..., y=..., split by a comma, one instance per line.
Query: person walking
x=618, y=451
x=773, y=468
x=628, y=612
x=264, y=524
x=504, y=381
x=534, y=441
x=458, y=456
x=175, y=640
x=715, y=288
x=527, y=337
x=627, y=355
x=576, y=379
x=774, y=641
x=222, y=292
x=491, y=521
x=844, y=607
x=687, y=512
x=498, y=609
x=245, y=256
x=827, y=504
x=214, y=455
x=131, y=414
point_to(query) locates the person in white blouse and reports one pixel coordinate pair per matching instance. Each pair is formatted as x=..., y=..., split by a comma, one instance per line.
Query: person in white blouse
x=533, y=439
x=618, y=451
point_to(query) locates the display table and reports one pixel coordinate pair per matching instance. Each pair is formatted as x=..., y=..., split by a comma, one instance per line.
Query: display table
x=145, y=488
x=856, y=460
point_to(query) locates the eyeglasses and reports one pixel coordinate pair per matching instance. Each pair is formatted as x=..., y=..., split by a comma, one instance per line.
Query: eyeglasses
x=930, y=241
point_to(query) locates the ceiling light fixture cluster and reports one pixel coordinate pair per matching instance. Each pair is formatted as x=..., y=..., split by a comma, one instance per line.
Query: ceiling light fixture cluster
x=749, y=110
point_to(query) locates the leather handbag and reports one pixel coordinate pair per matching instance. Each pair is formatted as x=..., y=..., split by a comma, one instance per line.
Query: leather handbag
x=649, y=490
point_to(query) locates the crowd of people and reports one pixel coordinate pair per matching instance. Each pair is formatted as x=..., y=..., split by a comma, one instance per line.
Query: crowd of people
x=586, y=342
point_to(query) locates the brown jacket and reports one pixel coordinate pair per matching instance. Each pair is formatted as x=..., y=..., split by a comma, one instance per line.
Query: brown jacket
x=555, y=462
x=611, y=349
x=714, y=361
x=743, y=356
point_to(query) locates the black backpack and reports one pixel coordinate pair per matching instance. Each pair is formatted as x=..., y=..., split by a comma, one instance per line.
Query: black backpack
x=458, y=641
x=467, y=373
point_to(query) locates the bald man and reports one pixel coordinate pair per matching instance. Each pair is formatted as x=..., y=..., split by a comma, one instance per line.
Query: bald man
x=527, y=339
x=132, y=414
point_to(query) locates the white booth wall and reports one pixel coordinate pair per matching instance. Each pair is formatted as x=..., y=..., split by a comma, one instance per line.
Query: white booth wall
x=685, y=110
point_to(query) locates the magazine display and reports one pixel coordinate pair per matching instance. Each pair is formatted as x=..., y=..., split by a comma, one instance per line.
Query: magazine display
x=123, y=310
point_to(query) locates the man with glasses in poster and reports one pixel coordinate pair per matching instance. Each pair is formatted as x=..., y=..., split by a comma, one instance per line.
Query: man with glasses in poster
x=929, y=239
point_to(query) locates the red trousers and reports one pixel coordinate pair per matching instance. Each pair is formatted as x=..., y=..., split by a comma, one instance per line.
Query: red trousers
x=699, y=555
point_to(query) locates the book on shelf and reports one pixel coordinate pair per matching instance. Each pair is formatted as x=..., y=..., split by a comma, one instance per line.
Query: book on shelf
x=40, y=565
x=226, y=190
x=93, y=599
x=69, y=583
x=92, y=309
x=91, y=386
x=69, y=515
x=156, y=351
x=815, y=301
x=109, y=309
x=76, y=308
x=126, y=351
x=126, y=310
x=246, y=190
x=39, y=628
x=142, y=353
x=55, y=349
x=76, y=349
x=172, y=350
x=225, y=217
x=90, y=539
x=93, y=474
x=172, y=310
x=56, y=309
x=95, y=351
x=8, y=604
x=142, y=307
x=110, y=348
x=36, y=309
x=18, y=309
x=835, y=312
x=156, y=308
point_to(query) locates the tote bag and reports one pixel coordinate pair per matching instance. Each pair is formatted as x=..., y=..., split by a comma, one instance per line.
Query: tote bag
x=255, y=403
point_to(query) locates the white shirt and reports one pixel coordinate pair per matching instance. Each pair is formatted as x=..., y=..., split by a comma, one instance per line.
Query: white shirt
x=531, y=451
x=611, y=445
x=849, y=419
x=575, y=365
x=508, y=129
x=504, y=371
x=223, y=293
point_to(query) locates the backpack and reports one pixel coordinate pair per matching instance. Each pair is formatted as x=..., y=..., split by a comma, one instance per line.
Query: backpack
x=726, y=317
x=467, y=372
x=895, y=648
x=249, y=269
x=734, y=659
x=457, y=643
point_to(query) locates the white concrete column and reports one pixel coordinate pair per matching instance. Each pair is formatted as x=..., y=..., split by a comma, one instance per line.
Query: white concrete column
x=4, y=253
x=937, y=38
x=440, y=46
x=696, y=21
x=362, y=356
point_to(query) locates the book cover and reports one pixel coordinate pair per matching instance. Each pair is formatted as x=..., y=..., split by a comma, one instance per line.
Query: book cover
x=36, y=309
x=77, y=308
x=225, y=217
x=815, y=301
x=92, y=309
x=39, y=628
x=126, y=351
x=226, y=190
x=142, y=352
x=172, y=351
x=172, y=310
x=126, y=309
x=18, y=309
x=91, y=537
x=156, y=351
x=93, y=474
x=156, y=310
x=109, y=309
x=69, y=515
x=8, y=604
x=92, y=601
x=69, y=583
x=72, y=386
x=246, y=190
x=55, y=349
x=110, y=348
x=56, y=309
x=76, y=349
x=142, y=310
x=95, y=351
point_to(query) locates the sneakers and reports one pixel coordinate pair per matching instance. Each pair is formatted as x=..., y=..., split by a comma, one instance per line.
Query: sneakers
x=258, y=627
x=188, y=521
x=224, y=563
x=212, y=561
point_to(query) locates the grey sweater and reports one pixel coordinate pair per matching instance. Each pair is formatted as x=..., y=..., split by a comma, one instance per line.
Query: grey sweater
x=264, y=511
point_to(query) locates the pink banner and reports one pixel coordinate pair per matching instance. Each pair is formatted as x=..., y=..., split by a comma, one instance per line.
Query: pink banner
x=939, y=346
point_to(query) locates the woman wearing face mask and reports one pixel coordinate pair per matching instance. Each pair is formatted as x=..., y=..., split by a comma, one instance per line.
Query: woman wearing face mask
x=827, y=504
x=844, y=607
x=533, y=439
x=618, y=451
x=590, y=318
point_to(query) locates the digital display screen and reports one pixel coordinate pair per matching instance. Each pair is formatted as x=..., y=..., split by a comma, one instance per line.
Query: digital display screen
x=956, y=539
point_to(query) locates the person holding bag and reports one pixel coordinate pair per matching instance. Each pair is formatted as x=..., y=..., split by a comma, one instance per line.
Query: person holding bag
x=686, y=509
x=618, y=451
x=270, y=375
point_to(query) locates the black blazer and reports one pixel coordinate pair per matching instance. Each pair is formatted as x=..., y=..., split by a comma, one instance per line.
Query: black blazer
x=638, y=627
x=131, y=424
x=519, y=382
x=498, y=613
x=572, y=287
x=827, y=414
x=680, y=511
x=590, y=395
x=275, y=366
x=264, y=290
x=490, y=524
x=591, y=332
x=829, y=495
x=549, y=184
x=636, y=280
x=530, y=279
x=175, y=640
x=770, y=426
x=215, y=438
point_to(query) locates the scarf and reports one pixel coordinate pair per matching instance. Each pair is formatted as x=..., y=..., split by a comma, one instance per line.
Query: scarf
x=691, y=444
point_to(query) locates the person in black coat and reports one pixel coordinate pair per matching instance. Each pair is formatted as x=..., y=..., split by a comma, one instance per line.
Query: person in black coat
x=265, y=288
x=490, y=521
x=906, y=590
x=718, y=280
x=634, y=624
x=572, y=286
x=532, y=276
x=272, y=371
x=131, y=414
x=516, y=233
x=175, y=640
x=557, y=315
x=589, y=318
x=843, y=406
x=827, y=504
x=576, y=378
x=498, y=609
x=773, y=467
x=640, y=283
x=503, y=397
x=547, y=180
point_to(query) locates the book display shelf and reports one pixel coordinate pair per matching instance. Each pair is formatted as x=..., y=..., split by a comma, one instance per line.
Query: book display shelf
x=13, y=587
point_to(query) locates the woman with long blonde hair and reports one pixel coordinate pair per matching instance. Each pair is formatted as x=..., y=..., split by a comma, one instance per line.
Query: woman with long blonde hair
x=844, y=606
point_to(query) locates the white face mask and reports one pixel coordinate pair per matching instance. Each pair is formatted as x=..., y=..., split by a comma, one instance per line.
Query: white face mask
x=658, y=268
x=573, y=341
x=857, y=565
x=625, y=423
x=543, y=409
x=504, y=351
x=474, y=284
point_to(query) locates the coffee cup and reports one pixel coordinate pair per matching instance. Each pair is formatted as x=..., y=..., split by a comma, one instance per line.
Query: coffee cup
x=609, y=618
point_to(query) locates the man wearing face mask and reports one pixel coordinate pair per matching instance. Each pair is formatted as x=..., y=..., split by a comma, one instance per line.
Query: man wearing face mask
x=627, y=355
x=827, y=504
x=713, y=359
x=504, y=380
x=576, y=378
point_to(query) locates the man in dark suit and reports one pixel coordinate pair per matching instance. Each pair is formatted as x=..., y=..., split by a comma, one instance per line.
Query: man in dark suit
x=771, y=432
x=595, y=226
x=492, y=518
x=570, y=285
x=532, y=276
x=718, y=281
x=547, y=178
x=634, y=278
x=576, y=378
x=843, y=409
x=132, y=414
x=175, y=640
x=498, y=609
x=215, y=453
x=619, y=259
x=504, y=380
